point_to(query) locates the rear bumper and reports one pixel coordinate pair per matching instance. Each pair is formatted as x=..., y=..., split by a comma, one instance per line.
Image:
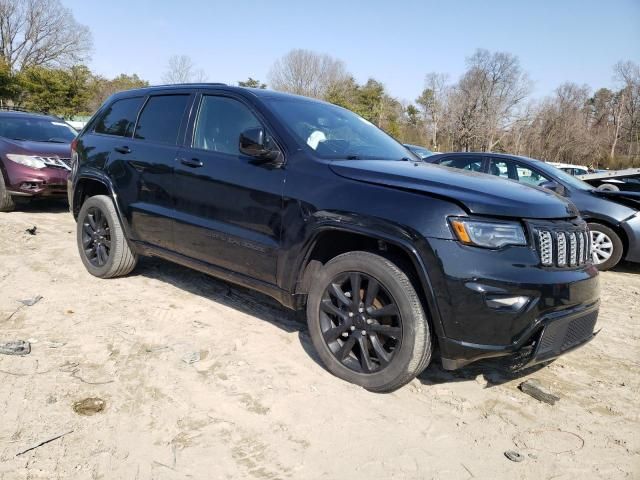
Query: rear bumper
x=30, y=182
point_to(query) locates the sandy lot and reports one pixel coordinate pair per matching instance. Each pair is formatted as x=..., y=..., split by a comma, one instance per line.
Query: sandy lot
x=257, y=404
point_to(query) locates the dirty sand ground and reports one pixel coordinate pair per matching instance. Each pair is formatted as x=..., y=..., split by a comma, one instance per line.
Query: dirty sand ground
x=257, y=404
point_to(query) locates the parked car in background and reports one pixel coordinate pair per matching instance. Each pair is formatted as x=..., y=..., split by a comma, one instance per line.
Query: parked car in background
x=307, y=202
x=34, y=156
x=613, y=217
x=571, y=169
x=421, y=152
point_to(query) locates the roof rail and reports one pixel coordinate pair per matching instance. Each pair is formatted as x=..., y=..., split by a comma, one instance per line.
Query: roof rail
x=220, y=84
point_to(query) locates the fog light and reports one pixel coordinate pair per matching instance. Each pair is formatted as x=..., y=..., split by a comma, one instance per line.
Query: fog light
x=506, y=303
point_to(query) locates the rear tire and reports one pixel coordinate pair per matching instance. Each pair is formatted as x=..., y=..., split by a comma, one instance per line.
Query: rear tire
x=6, y=200
x=608, y=187
x=102, y=244
x=606, y=247
x=398, y=344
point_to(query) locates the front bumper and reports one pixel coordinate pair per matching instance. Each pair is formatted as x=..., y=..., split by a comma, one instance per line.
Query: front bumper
x=559, y=314
x=30, y=182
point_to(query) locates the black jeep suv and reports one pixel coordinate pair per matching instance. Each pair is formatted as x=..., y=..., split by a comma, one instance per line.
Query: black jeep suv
x=313, y=205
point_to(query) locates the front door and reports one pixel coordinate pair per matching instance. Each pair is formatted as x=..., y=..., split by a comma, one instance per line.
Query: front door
x=228, y=207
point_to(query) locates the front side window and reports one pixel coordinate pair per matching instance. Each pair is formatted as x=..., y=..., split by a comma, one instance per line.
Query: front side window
x=220, y=122
x=120, y=117
x=516, y=171
x=161, y=118
x=333, y=132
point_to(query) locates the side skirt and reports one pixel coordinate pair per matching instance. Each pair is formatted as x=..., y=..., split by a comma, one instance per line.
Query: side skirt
x=282, y=296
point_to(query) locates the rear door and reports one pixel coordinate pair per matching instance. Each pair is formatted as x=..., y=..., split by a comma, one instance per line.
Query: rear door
x=228, y=206
x=150, y=161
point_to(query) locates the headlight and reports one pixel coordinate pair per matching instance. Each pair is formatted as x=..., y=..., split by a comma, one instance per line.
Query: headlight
x=488, y=234
x=26, y=160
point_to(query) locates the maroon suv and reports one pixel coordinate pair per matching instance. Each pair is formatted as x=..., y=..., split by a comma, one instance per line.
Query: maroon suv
x=34, y=156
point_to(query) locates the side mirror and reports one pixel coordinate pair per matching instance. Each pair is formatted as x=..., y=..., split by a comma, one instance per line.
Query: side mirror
x=254, y=142
x=553, y=186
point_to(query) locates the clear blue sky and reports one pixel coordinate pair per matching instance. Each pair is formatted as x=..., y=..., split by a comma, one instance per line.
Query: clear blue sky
x=394, y=41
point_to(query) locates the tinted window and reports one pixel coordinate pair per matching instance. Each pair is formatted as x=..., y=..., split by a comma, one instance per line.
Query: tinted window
x=120, y=117
x=473, y=164
x=161, y=118
x=516, y=171
x=220, y=122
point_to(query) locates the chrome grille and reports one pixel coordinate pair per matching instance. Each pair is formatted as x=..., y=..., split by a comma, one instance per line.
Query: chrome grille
x=546, y=249
x=573, y=247
x=563, y=248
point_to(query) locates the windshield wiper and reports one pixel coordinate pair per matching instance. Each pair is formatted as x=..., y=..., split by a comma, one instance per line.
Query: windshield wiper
x=53, y=140
x=353, y=157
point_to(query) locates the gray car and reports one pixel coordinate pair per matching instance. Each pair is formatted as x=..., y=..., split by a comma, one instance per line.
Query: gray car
x=613, y=217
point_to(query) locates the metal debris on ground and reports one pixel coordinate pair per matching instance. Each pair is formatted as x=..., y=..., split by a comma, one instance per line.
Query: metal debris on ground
x=30, y=302
x=191, y=357
x=534, y=389
x=514, y=456
x=89, y=406
x=44, y=442
x=32, y=230
x=15, y=347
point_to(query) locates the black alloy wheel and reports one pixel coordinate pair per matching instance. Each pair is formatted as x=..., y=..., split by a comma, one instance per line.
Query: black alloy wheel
x=360, y=322
x=96, y=237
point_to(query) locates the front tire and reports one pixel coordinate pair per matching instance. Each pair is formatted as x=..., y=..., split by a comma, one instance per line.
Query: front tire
x=102, y=245
x=6, y=200
x=367, y=323
x=606, y=247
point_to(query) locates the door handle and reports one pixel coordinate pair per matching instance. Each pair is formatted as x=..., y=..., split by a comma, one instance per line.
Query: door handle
x=191, y=162
x=123, y=149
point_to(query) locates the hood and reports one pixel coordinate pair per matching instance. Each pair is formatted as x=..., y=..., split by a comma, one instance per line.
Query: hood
x=479, y=193
x=629, y=199
x=43, y=149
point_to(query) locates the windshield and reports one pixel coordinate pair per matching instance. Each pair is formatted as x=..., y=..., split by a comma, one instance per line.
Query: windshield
x=566, y=178
x=336, y=133
x=35, y=129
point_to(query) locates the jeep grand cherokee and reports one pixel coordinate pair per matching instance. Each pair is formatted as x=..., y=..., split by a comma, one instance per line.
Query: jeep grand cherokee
x=315, y=206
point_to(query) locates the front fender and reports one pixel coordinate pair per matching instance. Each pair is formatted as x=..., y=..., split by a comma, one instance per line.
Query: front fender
x=376, y=229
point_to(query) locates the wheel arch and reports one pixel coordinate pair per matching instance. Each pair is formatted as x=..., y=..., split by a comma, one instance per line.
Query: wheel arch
x=329, y=241
x=91, y=184
x=616, y=228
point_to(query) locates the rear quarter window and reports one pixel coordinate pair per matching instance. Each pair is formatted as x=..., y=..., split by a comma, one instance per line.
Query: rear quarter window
x=120, y=117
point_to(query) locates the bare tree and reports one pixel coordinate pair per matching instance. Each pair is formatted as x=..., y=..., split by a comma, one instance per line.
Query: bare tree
x=628, y=75
x=433, y=100
x=308, y=73
x=41, y=33
x=487, y=96
x=181, y=69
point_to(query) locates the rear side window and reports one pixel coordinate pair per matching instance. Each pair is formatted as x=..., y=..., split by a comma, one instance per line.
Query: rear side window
x=161, y=118
x=120, y=117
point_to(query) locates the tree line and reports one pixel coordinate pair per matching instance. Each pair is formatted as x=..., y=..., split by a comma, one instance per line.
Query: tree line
x=489, y=108
x=43, y=52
